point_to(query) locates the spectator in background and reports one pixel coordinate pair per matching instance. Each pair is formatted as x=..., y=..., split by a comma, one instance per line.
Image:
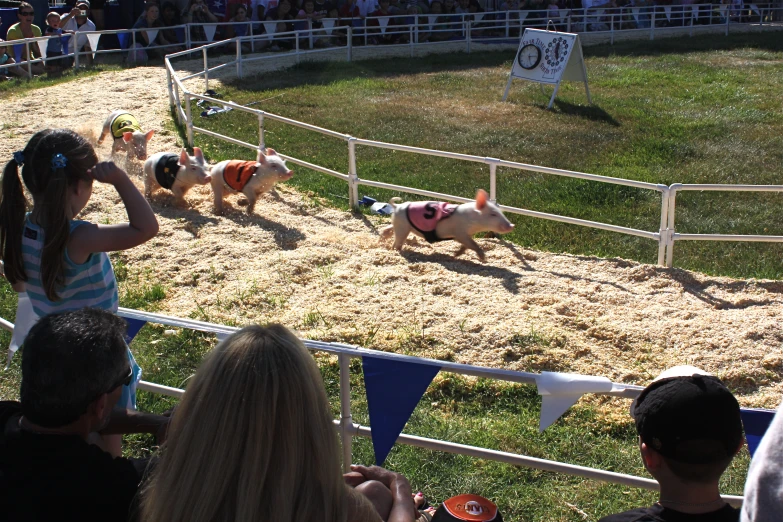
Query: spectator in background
x=241, y=28
x=54, y=46
x=198, y=13
x=282, y=14
x=151, y=20
x=26, y=29
x=382, y=36
x=764, y=487
x=257, y=417
x=169, y=17
x=130, y=11
x=689, y=430
x=6, y=59
x=80, y=22
x=52, y=466
x=322, y=7
x=231, y=8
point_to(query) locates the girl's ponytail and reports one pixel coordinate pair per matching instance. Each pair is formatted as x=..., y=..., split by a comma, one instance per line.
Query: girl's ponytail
x=60, y=161
x=12, y=209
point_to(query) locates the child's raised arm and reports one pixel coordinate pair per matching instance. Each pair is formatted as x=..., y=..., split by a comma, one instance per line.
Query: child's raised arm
x=141, y=227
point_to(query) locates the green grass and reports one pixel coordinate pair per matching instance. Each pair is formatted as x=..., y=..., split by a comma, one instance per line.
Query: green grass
x=709, y=115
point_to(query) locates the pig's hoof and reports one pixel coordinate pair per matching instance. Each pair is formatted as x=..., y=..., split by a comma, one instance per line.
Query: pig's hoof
x=242, y=201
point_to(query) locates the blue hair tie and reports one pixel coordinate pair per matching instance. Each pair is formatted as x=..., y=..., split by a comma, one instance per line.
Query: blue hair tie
x=19, y=157
x=59, y=161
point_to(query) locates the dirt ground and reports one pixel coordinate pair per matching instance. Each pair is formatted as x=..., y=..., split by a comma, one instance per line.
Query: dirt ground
x=325, y=273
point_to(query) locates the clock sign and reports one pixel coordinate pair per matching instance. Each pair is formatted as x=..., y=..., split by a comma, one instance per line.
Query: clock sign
x=529, y=56
x=556, y=52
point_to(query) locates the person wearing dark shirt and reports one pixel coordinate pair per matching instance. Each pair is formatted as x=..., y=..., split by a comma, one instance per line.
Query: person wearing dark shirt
x=52, y=465
x=689, y=430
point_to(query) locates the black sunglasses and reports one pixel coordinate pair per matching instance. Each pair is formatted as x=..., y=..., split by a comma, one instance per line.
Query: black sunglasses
x=124, y=381
x=27, y=13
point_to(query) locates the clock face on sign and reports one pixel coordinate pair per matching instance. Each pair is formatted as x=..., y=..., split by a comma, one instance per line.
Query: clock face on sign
x=556, y=52
x=529, y=56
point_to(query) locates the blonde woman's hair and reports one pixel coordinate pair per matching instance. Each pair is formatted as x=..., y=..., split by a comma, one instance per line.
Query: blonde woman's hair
x=252, y=439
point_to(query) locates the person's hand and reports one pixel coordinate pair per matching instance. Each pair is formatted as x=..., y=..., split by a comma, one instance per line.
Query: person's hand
x=384, y=476
x=163, y=430
x=107, y=172
x=354, y=478
x=75, y=12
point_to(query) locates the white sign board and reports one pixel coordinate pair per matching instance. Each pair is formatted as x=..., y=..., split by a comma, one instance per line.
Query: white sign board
x=549, y=57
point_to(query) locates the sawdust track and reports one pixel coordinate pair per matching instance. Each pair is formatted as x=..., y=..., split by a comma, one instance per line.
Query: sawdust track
x=324, y=273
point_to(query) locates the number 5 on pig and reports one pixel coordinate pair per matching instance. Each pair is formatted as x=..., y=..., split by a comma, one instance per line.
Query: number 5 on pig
x=251, y=178
x=177, y=173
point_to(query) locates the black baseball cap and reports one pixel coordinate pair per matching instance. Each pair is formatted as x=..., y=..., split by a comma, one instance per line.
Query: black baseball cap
x=689, y=416
x=467, y=508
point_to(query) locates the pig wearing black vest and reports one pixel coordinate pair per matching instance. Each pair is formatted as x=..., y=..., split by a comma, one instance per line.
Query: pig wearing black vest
x=251, y=178
x=438, y=221
x=175, y=172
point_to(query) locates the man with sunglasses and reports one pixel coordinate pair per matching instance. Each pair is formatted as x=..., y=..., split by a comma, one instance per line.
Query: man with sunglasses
x=52, y=467
x=26, y=29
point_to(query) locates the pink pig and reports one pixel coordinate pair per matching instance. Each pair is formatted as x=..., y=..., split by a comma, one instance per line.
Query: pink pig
x=175, y=172
x=251, y=178
x=127, y=134
x=437, y=221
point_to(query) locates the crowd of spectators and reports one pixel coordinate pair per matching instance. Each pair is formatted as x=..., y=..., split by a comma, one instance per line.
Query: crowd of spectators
x=378, y=21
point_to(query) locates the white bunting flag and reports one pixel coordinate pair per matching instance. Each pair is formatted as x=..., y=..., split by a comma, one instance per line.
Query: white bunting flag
x=560, y=391
x=383, y=22
x=94, y=39
x=328, y=24
x=478, y=16
x=432, y=19
x=43, y=45
x=668, y=10
x=695, y=11
x=153, y=33
x=209, y=31
x=754, y=8
x=635, y=11
x=271, y=28
x=522, y=16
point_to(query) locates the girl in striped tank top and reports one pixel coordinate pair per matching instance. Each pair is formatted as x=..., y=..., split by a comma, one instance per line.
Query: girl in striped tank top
x=61, y=263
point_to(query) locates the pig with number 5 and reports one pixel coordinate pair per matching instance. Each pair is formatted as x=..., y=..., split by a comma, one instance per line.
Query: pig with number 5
x=175, y=172
x=251, y=178
x=438, y=221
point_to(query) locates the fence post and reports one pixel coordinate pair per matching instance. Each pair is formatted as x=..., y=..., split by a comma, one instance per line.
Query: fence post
x=29, y=61
x=239, y=57
x=663, y=231
x=410, y=40
x=652, y=24
x=670, y=225
x=169, y=85
x=206, y=71
x=346, y=422
x=133, y=47
x=350, y=43
x=310, y=33
x=568, y=30
x=188, y=43
x=728, y=17
x=296, y=48
x=467, y=34
x=189, y=123
x=611, y=30
x=493, y=167
x=353, y=177
x=261, y=143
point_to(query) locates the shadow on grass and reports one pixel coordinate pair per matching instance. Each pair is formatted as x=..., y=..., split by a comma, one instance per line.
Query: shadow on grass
x=587, y=112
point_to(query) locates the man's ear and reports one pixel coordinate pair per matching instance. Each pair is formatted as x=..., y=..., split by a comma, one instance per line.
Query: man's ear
x=652, y=459
x=99, y=406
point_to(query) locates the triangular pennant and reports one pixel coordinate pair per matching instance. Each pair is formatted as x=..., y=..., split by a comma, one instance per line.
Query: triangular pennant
x=124, y=38
x=18, y=52
x=560, y=391
x=25, y=319
x=153, y=33
x=478, y=16
x=43, y=46
x=695, y=11
x=209, y=31
x=134, y=325
x=328, y=24
x=383, y=22
x=394, y=388
x=753, y=7
x=432, y=19
x=668, y=10
x=522, y=16
x=94, y=39
x=755, y=423
x=271, y=28
x=635, y=11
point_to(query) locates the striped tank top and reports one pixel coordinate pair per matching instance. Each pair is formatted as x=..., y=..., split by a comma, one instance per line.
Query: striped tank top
x=91, y=283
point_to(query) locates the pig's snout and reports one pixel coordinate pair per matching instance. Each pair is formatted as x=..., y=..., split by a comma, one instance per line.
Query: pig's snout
x=288, y=175
x=206, y=179
x=507, y=227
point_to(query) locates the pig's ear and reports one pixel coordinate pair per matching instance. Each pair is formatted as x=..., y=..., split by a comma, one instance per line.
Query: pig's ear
x=149, y=134
x=199, y=155
x=261, y=158
x=183, y=158
x=481, y=199
x=271, y=152
x=127, y=137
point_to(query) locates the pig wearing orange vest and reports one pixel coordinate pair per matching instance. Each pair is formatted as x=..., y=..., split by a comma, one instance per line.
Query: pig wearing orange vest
x=251, y=178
